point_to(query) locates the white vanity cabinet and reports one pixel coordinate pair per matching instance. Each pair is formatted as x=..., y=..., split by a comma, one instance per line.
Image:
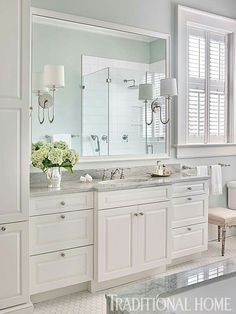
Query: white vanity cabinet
x=61, y=241
x=190, y=218
x=13, y=264
x=135, y=237
x=14, y=155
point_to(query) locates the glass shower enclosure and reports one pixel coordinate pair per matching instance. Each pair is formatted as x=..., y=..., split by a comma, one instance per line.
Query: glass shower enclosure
x=113, y=121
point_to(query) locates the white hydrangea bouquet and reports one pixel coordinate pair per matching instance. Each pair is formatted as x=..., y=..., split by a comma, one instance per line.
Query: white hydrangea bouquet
x=51, y=157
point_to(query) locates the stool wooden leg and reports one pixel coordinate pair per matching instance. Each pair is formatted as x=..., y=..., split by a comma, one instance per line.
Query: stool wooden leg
x=219, y=233
x=223, y=240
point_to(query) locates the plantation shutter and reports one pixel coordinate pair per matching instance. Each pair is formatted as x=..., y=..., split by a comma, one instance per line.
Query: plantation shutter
x=207, y=87
x=196, y=85
x=217, y=88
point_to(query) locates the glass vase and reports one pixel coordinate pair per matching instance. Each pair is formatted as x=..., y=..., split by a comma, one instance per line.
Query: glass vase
x=54, y=177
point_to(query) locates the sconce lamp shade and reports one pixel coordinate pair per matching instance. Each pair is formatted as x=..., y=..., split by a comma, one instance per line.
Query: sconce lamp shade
x=168, y=87
x=37, y=82
x=53, y=76
x=145, y=92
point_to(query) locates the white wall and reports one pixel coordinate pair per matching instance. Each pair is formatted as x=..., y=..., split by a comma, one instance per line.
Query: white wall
x=157, y=15
x=151, y=14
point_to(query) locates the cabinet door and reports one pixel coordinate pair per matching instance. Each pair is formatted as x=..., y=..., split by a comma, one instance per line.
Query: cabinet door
x=13, y=262
x=154, y=235
x=117, y=242
x=14, y=109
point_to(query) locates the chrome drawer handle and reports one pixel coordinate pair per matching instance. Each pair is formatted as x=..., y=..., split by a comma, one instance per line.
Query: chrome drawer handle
x=189, y=229
x=189, y=188
x=63, y=216
x=136, y=214
x=63, y=254
x=63, y=203
x=189, y=198
x=141, y=214
x=3, y=228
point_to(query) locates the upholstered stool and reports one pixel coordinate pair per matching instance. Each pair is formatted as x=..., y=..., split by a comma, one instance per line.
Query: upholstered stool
x=223, y=218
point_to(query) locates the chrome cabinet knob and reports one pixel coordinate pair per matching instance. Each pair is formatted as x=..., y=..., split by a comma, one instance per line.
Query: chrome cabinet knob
x=141, y=214
x=136, y=214
x=63, y=254
x=3, y=228
x=63, y=203
x=63, y=216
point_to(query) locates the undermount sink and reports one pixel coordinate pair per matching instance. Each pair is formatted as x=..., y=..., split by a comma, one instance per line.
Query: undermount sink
x=120, y=181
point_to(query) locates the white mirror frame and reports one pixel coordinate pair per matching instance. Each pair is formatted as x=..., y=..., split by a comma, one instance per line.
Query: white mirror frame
x=106, y=161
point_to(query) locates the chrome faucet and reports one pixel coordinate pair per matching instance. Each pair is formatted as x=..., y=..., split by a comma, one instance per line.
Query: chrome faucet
x=114, y=172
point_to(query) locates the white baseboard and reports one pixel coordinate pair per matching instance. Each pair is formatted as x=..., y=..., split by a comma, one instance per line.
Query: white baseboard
x=40, y=297
x=20, y=309
x=99, y=286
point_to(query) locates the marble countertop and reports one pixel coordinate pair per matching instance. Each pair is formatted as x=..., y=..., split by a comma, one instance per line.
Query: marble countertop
x=75, y=186
x=169, y=285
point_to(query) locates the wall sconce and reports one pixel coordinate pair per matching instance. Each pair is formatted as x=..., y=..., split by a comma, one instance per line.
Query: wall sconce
x=168, y=89
x=50, y=80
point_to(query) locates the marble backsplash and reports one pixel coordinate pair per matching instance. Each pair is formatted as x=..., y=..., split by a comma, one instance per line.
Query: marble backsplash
x=39, y=178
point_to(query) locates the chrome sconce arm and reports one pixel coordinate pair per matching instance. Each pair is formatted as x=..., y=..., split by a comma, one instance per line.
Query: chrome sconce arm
x=155, y=106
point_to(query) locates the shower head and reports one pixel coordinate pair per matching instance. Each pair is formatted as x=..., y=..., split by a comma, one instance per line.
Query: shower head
x=132, y=86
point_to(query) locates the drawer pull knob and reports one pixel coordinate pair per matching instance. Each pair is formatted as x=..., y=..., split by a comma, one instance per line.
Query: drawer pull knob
x=189, y=188
x=63, y=254
x=136, y=214
x=189, y=198
x=3, y=228
x=141, y=214
x=63, y=203
x=63, y=216
x=189, y=229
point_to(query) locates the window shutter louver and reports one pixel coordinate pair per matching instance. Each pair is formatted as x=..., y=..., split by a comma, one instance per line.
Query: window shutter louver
x=207, y=88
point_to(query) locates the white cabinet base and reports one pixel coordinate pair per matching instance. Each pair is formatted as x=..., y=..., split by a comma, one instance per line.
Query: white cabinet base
x=95, y=286
x=20, y=309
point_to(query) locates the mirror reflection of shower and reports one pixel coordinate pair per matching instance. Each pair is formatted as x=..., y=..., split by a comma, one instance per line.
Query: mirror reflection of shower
x=95, y=138
x=132, y=84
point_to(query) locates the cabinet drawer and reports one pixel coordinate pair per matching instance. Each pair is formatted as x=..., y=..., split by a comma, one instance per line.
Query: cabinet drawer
x=190, y=210
x=60, y=269
x=189, y=240
x=61, y=231
x=190, y=188
x=60, y=203
x=123, y=198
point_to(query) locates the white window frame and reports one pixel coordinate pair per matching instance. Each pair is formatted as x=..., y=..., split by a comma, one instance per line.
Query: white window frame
x=215, y=23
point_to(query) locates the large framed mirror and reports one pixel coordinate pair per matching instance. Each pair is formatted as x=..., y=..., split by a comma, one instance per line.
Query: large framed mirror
x=98, y=110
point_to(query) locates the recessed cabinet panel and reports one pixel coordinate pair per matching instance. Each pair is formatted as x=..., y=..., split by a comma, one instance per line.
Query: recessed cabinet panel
x=60, y=269
x=189, y=240
x=189, y=210
x=10, y=52
x=54, y=204
x=133, y=197
x=117, y=234
x=13, y=264
x=154, y=239
x=11, y=205
x=190, y=188
x=61, y=231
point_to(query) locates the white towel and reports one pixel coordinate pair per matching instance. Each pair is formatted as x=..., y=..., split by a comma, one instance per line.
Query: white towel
x=216, y=180
x=62, y=137
x=202, y=171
